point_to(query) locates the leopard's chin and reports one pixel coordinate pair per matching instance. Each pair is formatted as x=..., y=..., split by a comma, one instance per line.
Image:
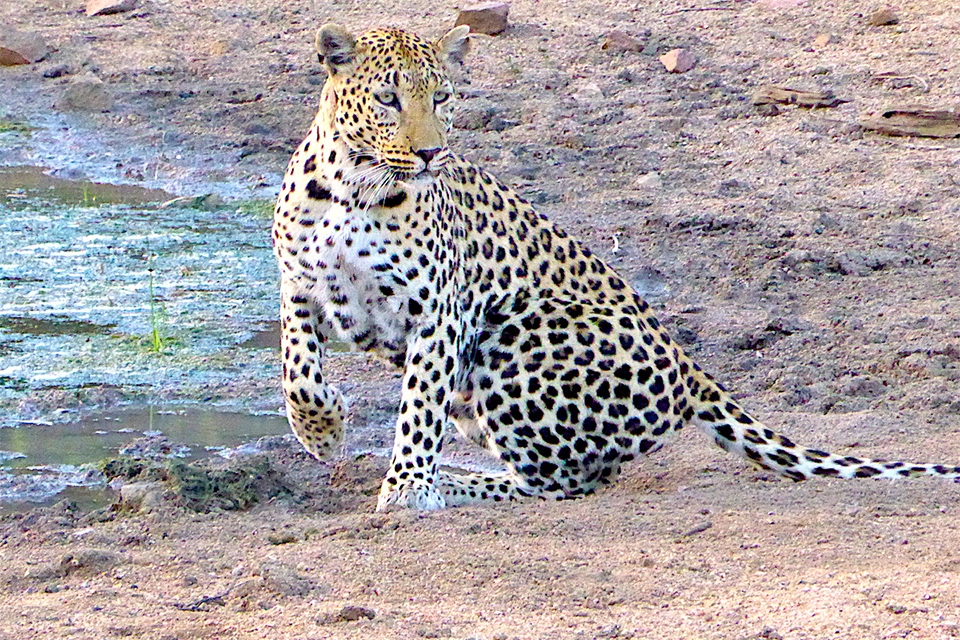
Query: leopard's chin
x=420, y=180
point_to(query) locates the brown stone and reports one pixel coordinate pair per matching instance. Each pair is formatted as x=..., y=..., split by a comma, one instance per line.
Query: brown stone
x=485, y=17
x=883, y=17
x=919, y=121
x=352, y=613
x=17, y=47
x=773, y=94
x=105, y=7
x=768, y=110
x=824, y=39
x=142, y=496
x=619, y=42
x=678, y=61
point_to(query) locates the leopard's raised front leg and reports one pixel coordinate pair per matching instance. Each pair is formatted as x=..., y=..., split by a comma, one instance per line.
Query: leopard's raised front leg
x=315, y=409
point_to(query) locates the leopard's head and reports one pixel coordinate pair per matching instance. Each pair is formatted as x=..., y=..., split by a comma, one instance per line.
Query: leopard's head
x=393, y=95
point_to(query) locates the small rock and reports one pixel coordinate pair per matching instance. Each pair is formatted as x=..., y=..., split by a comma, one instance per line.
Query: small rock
x=42, y=572
x=142, y=496
x=485, y=17
x=352, y=613
x=284, y=580
x=768, y=110
x=88, y=560
x=824, y=39
x=700, y=528
x=87, y=93
x=278, y=539
x=678, y=61
x=17, y=47
x=883, y=17
x=105, y=7
x=619, y=42
x=750, y=342
x=650, y=180
x=587, y=93
x=246, y=587
x=57, y=71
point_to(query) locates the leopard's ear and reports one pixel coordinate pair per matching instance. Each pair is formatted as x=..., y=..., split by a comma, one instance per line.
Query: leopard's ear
x=336, y=47
x=454, y=46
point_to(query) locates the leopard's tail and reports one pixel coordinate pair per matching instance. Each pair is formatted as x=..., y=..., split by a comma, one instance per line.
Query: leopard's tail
x=737, y=432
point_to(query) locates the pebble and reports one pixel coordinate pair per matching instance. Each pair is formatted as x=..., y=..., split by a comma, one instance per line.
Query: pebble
x=106, y=7
x=650, y=180
x=824, y=39
x=86, y=93
x=678, y=61
x=485, y=17
x=353, y=613
x=246, y=587
x=57, y=71
x=587, y=93
x=90, y=560
x=278, y=539
x=620, y=42
x=142, y=496
x=883, y=17
x=18, y=47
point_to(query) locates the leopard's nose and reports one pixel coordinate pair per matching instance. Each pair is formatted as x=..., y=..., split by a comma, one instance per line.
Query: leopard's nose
x=427, y=154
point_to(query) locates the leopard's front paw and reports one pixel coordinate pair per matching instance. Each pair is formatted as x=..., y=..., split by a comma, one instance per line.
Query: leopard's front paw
x=317, y=419
x=409, y=494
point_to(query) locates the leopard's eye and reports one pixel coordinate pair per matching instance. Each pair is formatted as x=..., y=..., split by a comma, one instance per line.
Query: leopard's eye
x=440, y=97
x=388, y=99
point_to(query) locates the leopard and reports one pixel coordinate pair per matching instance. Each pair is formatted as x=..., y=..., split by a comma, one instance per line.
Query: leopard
x=505, y=327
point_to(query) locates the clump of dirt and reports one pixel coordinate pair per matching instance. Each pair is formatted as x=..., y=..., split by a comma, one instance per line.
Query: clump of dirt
x=202, y=488
x=205, y=485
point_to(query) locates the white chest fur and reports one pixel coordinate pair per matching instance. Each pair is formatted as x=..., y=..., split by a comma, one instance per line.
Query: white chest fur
x=356, y=281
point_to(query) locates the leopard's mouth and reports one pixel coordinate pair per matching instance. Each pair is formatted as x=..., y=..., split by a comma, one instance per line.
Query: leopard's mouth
x=418, y=178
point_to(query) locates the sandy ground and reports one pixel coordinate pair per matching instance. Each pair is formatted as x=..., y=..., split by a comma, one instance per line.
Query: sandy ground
x=811, y=266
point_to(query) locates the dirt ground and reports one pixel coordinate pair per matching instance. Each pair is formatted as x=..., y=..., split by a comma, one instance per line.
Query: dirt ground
x=811, y=266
